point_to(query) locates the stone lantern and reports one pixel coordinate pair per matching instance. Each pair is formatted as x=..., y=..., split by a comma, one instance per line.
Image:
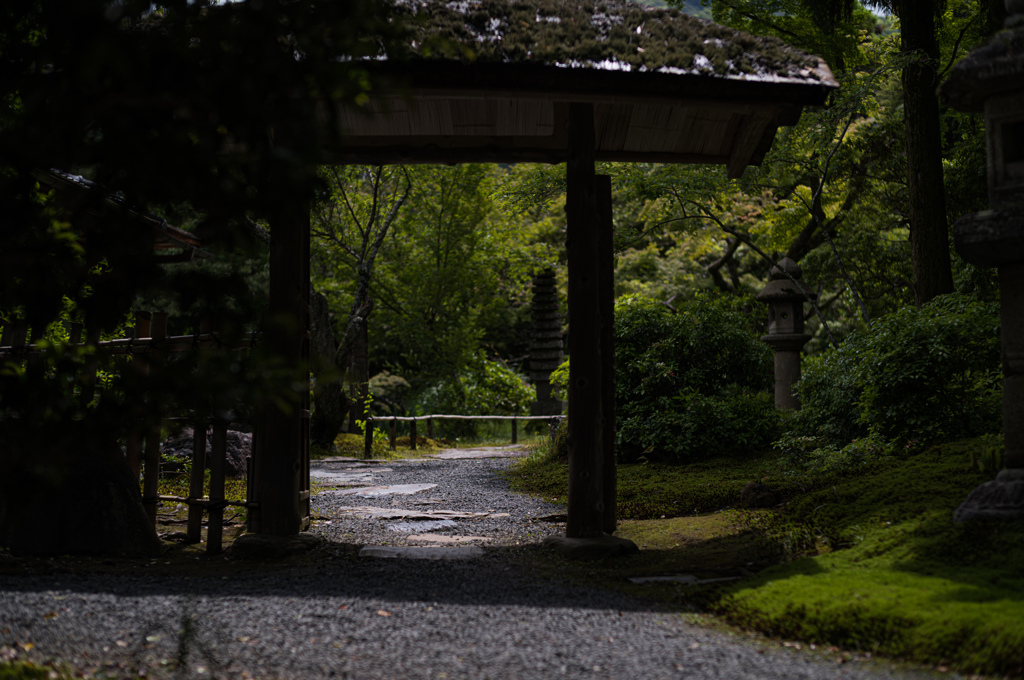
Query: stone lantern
x=785, y=298
x=991, y=79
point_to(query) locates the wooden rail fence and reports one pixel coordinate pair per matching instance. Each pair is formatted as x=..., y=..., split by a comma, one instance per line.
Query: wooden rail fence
x=412, y=420
x=142, y=449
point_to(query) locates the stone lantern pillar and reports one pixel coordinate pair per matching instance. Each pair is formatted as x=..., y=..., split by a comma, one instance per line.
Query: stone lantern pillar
x=786, y=336
x=991, y=79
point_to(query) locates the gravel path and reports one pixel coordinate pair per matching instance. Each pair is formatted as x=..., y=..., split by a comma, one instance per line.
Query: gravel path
x=337, y=615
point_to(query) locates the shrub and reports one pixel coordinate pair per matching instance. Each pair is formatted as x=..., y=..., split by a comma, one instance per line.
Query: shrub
x=484, y=387
x=690, y=384
x=926, y=374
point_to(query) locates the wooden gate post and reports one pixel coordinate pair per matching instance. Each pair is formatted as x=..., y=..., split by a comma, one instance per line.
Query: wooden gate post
x=606, y=295
x=278, y=477
x=586, y=422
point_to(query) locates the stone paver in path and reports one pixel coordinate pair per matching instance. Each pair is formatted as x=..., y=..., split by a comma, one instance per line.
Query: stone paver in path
x=482, y=452
x=409, y=527
x=377, y=491
x=369, y=512
x=452, y=540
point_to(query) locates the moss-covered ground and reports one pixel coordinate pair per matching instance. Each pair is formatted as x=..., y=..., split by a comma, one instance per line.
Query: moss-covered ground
x=868, y=560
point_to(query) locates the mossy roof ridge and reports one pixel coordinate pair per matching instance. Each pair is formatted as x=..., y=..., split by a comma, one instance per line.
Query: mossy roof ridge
x=597, y=34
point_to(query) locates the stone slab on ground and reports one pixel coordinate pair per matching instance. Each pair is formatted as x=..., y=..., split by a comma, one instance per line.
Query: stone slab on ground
x=370, y=511
x=451, y=540
x=422, y=552
x=353, y=462
x=596, y=548
x=378, y=491
x=342, y=477
x=482, y=452
x=429, y=525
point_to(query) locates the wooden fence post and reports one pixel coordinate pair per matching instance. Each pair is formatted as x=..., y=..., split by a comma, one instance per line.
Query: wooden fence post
x=133, y=445
x=151, y=476
x=392, y=433
x=197, y=478
x=430, y=428
x=412, y=434
x=215, y=528
x=368, y=436
x=515, y=431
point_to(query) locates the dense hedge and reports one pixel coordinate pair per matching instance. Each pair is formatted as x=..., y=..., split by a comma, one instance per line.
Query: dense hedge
x=691, y=384
x=924, y=374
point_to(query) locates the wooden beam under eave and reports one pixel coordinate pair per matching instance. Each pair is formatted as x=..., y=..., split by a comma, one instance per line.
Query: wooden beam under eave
x=746, y=143
x=586, y=422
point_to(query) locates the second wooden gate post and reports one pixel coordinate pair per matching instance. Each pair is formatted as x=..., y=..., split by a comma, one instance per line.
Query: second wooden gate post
x=279, y=455
x=606, y=295
x=586, y=422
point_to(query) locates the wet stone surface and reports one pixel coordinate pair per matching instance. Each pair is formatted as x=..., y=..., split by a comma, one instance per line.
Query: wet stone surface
x=446, y=497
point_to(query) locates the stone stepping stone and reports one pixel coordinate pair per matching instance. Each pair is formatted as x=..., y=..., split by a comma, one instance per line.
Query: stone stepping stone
x=428, y=525
x=342, y=477
x=482, y=452
x=378, y=491
x=450, y=540
x=422, y=552
x=370, y=512
x=350, y=462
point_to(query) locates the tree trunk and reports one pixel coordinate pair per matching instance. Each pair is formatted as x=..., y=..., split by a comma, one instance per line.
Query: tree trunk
x=929, y=232
x=74, y=495
x=330, y=403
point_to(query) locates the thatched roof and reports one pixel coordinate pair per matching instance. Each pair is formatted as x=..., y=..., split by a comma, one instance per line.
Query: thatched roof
x=491, y=80
x=605, y=35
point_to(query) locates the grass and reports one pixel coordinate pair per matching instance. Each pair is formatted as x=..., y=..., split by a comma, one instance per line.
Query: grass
x=867, y=560
x=655, y=491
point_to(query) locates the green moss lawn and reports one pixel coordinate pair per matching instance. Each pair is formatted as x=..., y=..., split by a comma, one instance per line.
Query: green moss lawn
x=869, y=561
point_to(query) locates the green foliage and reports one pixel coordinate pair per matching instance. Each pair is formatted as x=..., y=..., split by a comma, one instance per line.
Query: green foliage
x=920, y=374
x=691, y=384
x=486, y=387
x=816, y=27
x=560, y=381
x=814, y=454
x=453, y=276
x=147, y=100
